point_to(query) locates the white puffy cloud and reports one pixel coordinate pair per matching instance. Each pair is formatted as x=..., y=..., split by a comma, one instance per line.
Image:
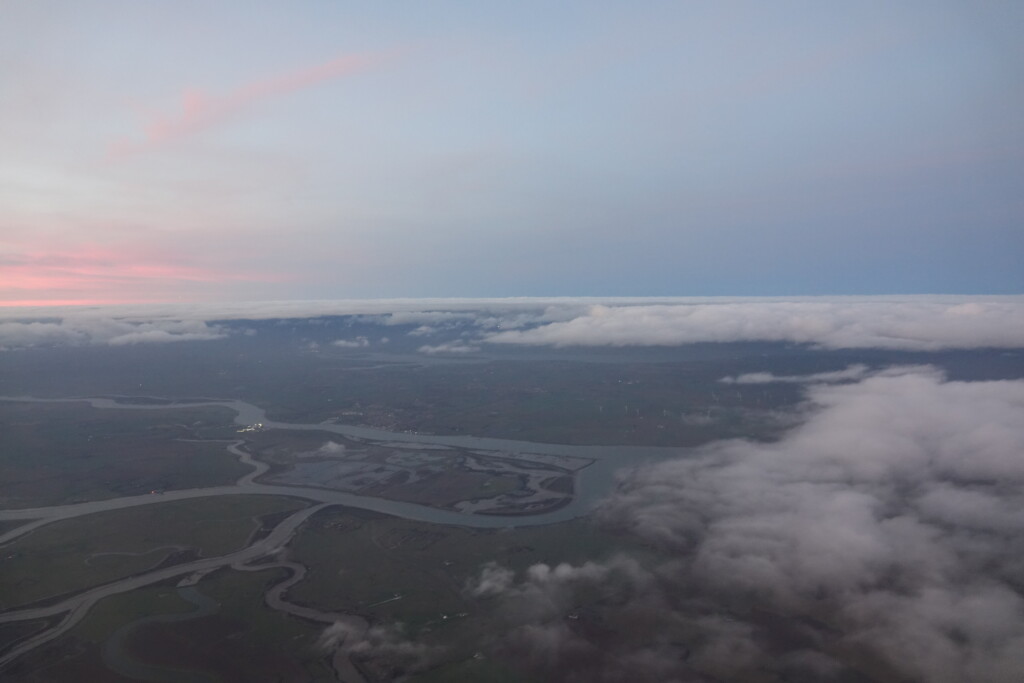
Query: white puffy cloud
x=357, y=343
x=543, y=579
x=331, y=448
x=894, y=515
x=623, y=634
x=385, y=645
x=493, y=580
x=887, y=527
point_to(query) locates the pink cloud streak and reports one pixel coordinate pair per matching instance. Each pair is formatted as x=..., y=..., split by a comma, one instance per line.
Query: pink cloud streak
x=200, y=110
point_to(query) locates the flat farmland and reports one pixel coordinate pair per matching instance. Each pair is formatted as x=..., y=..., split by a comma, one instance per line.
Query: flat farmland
x=56, y=453
x=76, y=554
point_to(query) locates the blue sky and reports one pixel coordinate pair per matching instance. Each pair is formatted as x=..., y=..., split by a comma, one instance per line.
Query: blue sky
x=195, y=151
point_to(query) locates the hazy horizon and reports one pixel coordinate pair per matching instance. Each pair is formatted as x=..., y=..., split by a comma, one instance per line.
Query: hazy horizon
x=182, y=151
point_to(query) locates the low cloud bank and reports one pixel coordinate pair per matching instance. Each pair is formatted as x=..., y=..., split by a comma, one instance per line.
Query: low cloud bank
x=852, y=372
x=84, y=330
x=390, y=311
x=912, y=323
x=883, y=537
x=901, y=325
x=849, y=374
x=455, y=348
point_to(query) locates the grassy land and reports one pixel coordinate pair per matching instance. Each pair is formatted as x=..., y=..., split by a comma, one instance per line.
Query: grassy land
x=358, y=558
x=17, y=630
x=359, y=561
x=8, y=525
x=111, y=613
x=244, y=641
x=547, y=401
x=69, y=556
x=573, y=395
x=453, y=486
x=64, y=660
x=76, y=656
x=70, y=452
x=477, y=670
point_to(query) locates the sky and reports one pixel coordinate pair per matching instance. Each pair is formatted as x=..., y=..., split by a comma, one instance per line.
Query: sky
x=178, y=151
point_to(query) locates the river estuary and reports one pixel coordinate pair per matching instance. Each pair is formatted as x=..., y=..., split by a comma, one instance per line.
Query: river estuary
x=592, y=483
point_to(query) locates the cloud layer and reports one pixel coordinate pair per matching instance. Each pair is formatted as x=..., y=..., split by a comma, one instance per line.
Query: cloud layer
x=854, y=372
x=915, y=323
x=904, y=325
x=884, y=536
x=81, y=330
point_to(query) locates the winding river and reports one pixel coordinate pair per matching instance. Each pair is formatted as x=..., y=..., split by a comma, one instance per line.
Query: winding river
x=119, y=659
x=593, y=482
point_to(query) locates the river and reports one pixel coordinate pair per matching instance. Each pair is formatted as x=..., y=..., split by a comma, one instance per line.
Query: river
x=593, y=482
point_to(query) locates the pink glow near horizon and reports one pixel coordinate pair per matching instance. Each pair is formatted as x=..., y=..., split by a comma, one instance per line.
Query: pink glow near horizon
x=42, y=303
x=101, y=275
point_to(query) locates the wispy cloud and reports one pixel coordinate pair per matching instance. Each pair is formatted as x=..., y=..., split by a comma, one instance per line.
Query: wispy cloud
x=199, y=110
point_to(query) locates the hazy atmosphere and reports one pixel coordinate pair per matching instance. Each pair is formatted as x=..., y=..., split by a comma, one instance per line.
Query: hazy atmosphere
x=195, y=151
x=577, y=342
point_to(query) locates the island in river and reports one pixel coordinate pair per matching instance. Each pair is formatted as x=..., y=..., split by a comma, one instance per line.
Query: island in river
x=455, y=481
